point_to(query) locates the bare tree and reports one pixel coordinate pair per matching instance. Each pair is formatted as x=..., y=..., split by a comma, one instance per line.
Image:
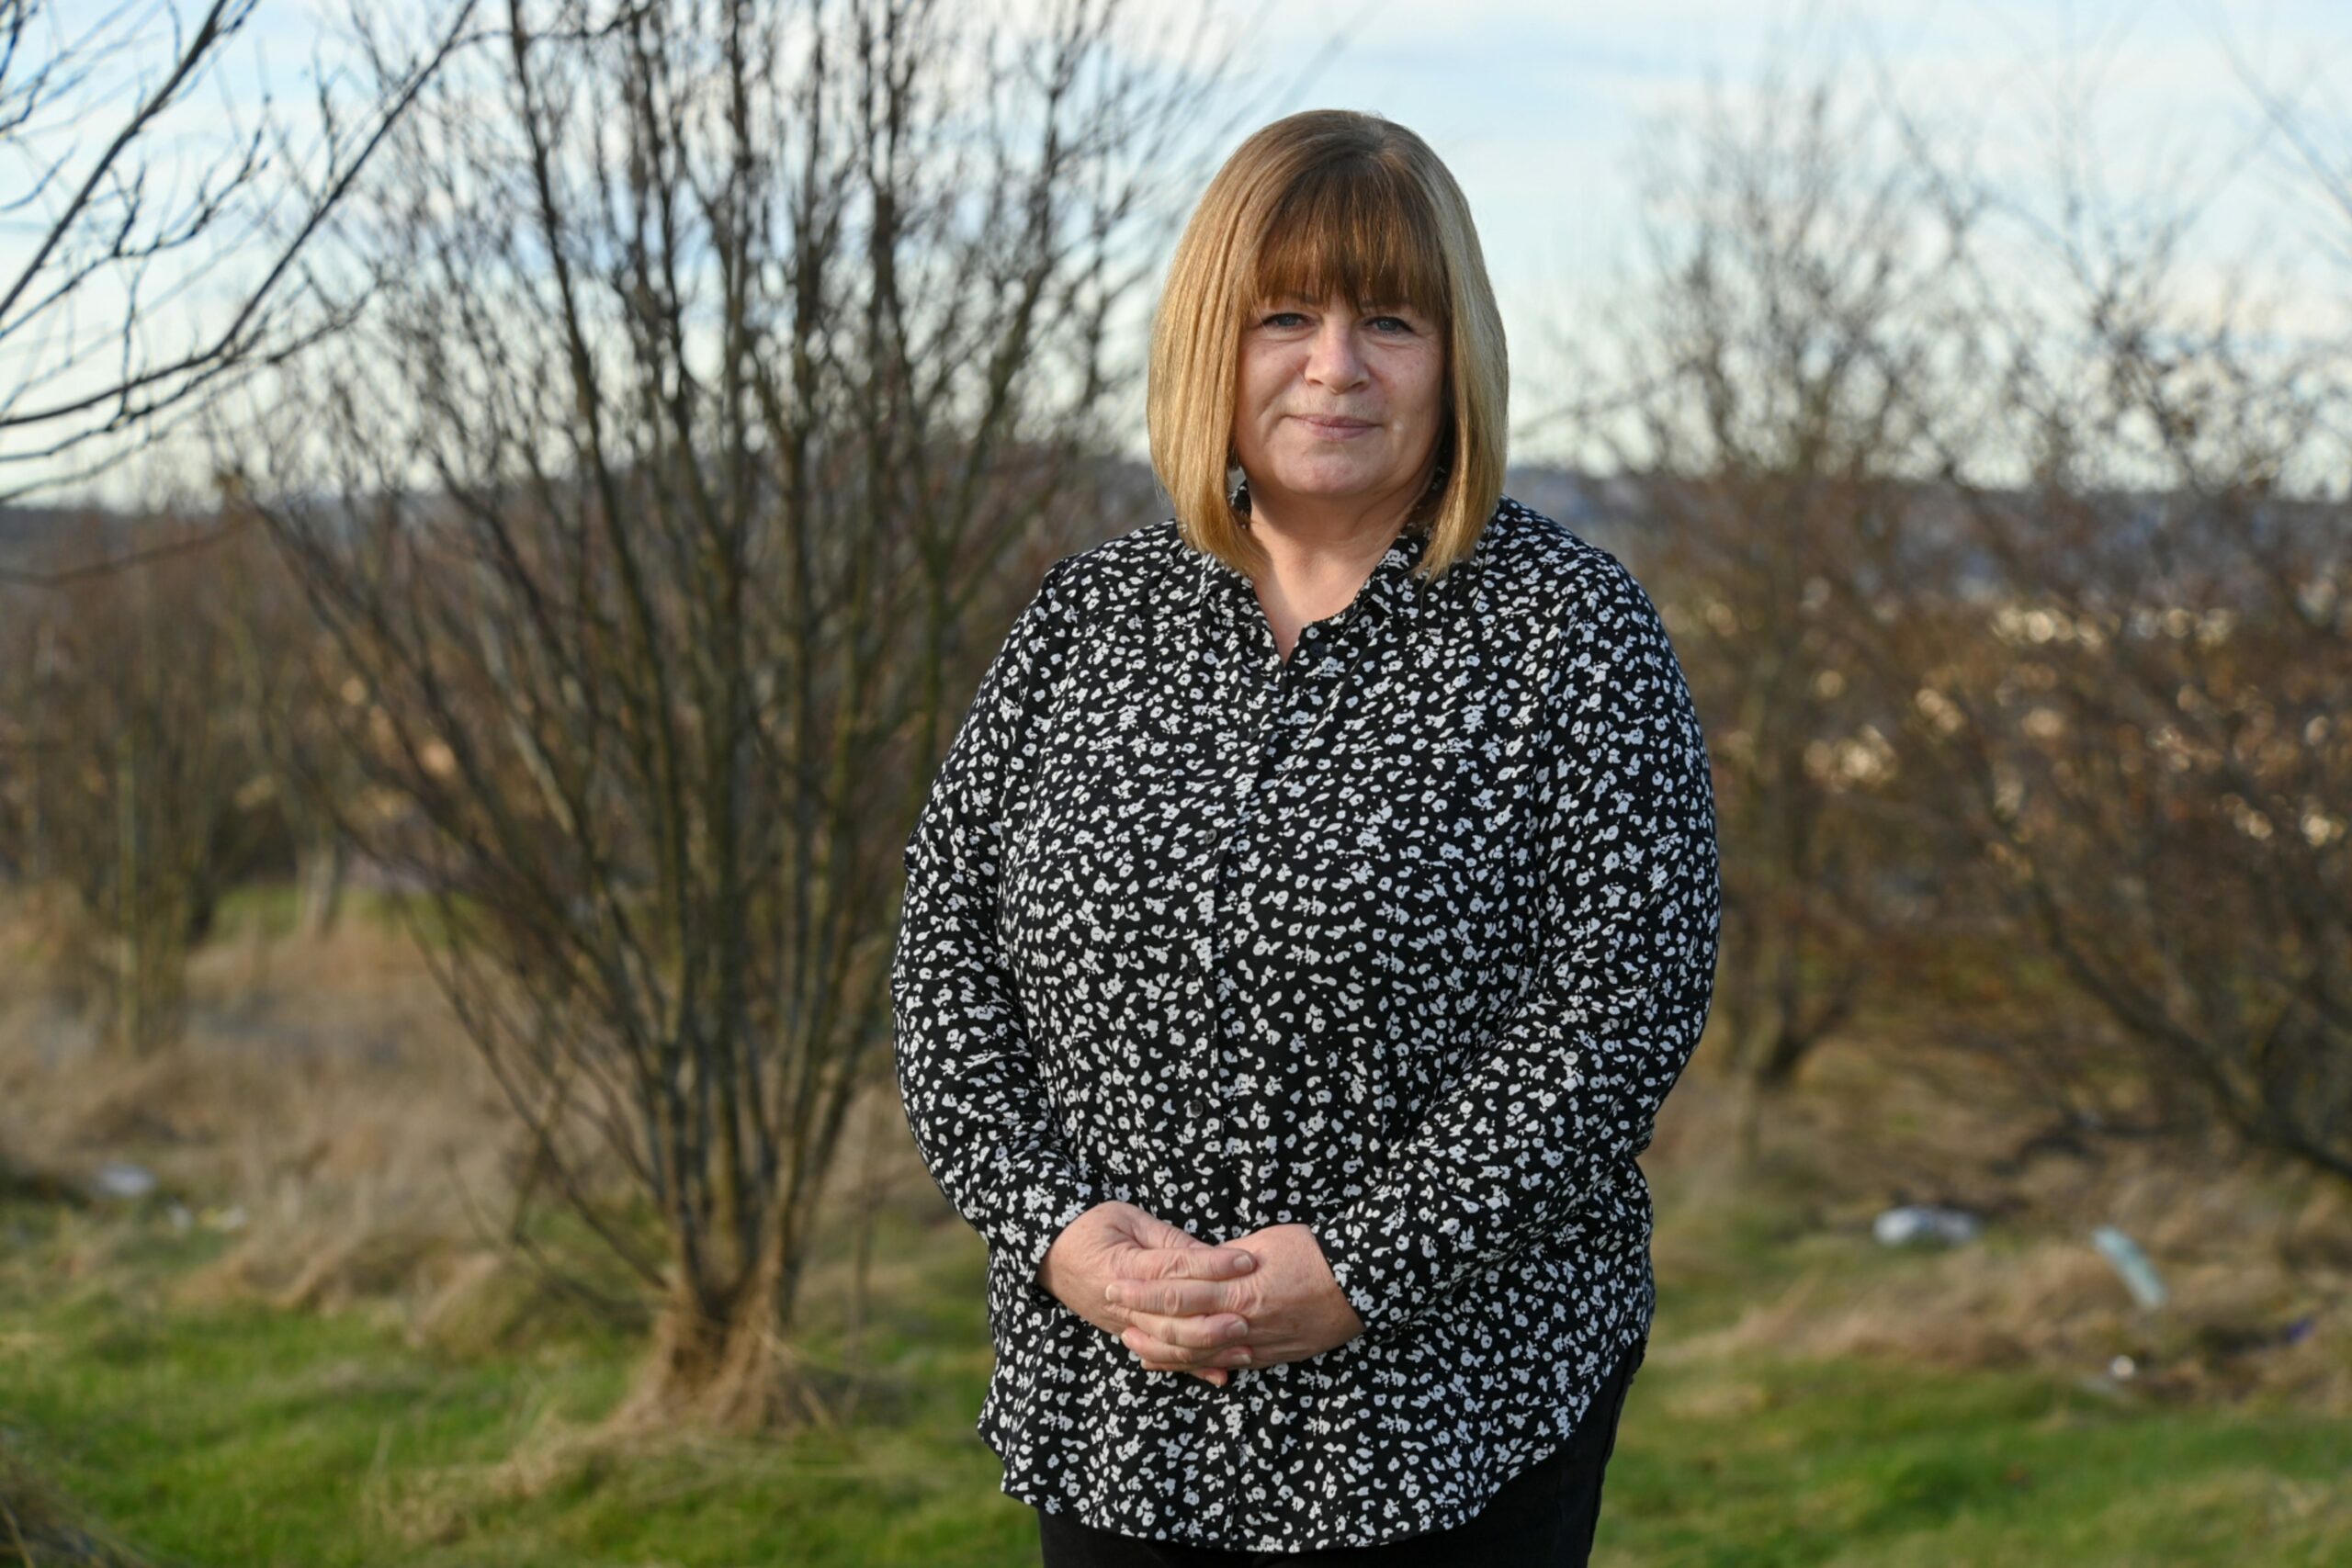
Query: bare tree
x=2143, y=730
x=2018, y=603
x=132, y=771
x=726, y=364
x=1770, y=439
x=2121, y=642
x=134, y=222
x=290, y=691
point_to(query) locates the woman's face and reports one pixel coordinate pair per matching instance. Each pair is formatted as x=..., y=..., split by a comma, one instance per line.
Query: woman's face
x=1337, y=403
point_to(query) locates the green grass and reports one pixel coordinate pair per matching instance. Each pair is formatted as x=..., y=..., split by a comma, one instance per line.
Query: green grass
x=243, y=1436
x=1875, y=1465
x=268, y=910
x=240, y=1435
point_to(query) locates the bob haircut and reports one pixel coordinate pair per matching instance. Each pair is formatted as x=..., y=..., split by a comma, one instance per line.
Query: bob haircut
x=1326, y=202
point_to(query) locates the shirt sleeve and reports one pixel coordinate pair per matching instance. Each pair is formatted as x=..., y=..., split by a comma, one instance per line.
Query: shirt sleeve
x=966, y=1066
x=1569, y=1086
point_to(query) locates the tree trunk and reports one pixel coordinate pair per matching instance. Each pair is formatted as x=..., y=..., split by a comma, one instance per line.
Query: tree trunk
x=725, y=1364
x=318, y=880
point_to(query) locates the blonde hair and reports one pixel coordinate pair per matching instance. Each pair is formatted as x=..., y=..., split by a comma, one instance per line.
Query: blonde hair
x=1326, y=202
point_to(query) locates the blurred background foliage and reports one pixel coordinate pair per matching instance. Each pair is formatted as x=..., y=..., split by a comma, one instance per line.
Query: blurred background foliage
x=448, y=855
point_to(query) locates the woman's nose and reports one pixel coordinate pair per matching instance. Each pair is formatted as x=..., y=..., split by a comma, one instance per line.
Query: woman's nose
x=1334, y=360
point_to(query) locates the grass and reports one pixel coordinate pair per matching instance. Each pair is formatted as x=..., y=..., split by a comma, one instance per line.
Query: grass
x=1877, y=1465
x=270, y=909
x=386, y=1416
x=233, y=1434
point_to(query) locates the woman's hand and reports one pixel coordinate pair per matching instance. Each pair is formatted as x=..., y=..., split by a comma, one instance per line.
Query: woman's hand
x=1119, y=1247
x=1290, y=1305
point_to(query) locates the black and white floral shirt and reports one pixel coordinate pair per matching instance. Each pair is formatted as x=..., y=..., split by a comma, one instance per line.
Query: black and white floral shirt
x=1403, y=938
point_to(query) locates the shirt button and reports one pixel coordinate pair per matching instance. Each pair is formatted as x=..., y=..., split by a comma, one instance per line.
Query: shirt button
x=1196, y=1105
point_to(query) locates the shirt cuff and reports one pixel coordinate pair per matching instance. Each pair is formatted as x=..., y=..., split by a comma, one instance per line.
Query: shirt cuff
x=1365, y=1271
x=1046, y=1211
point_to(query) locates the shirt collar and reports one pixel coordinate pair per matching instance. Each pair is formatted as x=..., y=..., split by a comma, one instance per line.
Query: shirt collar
x=1390, y=589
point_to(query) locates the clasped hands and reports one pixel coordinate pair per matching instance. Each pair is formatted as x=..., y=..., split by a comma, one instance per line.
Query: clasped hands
x=1184, y=1305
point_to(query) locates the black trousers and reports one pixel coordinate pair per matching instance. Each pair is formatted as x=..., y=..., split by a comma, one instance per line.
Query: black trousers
x=1543, y=1518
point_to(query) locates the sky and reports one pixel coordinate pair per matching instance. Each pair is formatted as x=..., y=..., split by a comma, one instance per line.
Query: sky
x=1539, y=107
x=1545, y=109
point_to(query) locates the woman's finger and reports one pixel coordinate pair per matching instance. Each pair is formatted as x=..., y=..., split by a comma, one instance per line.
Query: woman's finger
x=1154, y=1350
x=1223, y=1262
x=1196, y=1334
x=1171, y=1297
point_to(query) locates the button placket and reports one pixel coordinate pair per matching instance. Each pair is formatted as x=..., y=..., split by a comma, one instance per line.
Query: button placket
x=1286, y=703
x=1247, y=650
x=1233, y=629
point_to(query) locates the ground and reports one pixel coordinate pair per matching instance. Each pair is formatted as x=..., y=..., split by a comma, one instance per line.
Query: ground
x=301, y=1349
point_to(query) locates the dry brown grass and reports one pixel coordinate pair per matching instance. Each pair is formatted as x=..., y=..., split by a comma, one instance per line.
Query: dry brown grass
x=324, y=1092
x=2245, y=1251
x=325, y=1105
x=37, y=1526
x=321, y=1107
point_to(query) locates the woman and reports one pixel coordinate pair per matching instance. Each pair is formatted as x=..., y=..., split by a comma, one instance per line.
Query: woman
x=1305, y=927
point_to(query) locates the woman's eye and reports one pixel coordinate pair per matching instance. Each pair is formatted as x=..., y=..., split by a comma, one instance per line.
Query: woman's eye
x=1386, y=326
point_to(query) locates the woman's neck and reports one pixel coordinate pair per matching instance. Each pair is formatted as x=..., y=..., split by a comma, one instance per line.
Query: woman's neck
x=1317, y=561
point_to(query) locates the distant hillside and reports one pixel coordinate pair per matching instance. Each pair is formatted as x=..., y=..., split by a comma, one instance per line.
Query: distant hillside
x=33, y=537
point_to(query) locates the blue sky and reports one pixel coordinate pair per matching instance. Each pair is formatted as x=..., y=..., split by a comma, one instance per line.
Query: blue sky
x=1543, y=109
